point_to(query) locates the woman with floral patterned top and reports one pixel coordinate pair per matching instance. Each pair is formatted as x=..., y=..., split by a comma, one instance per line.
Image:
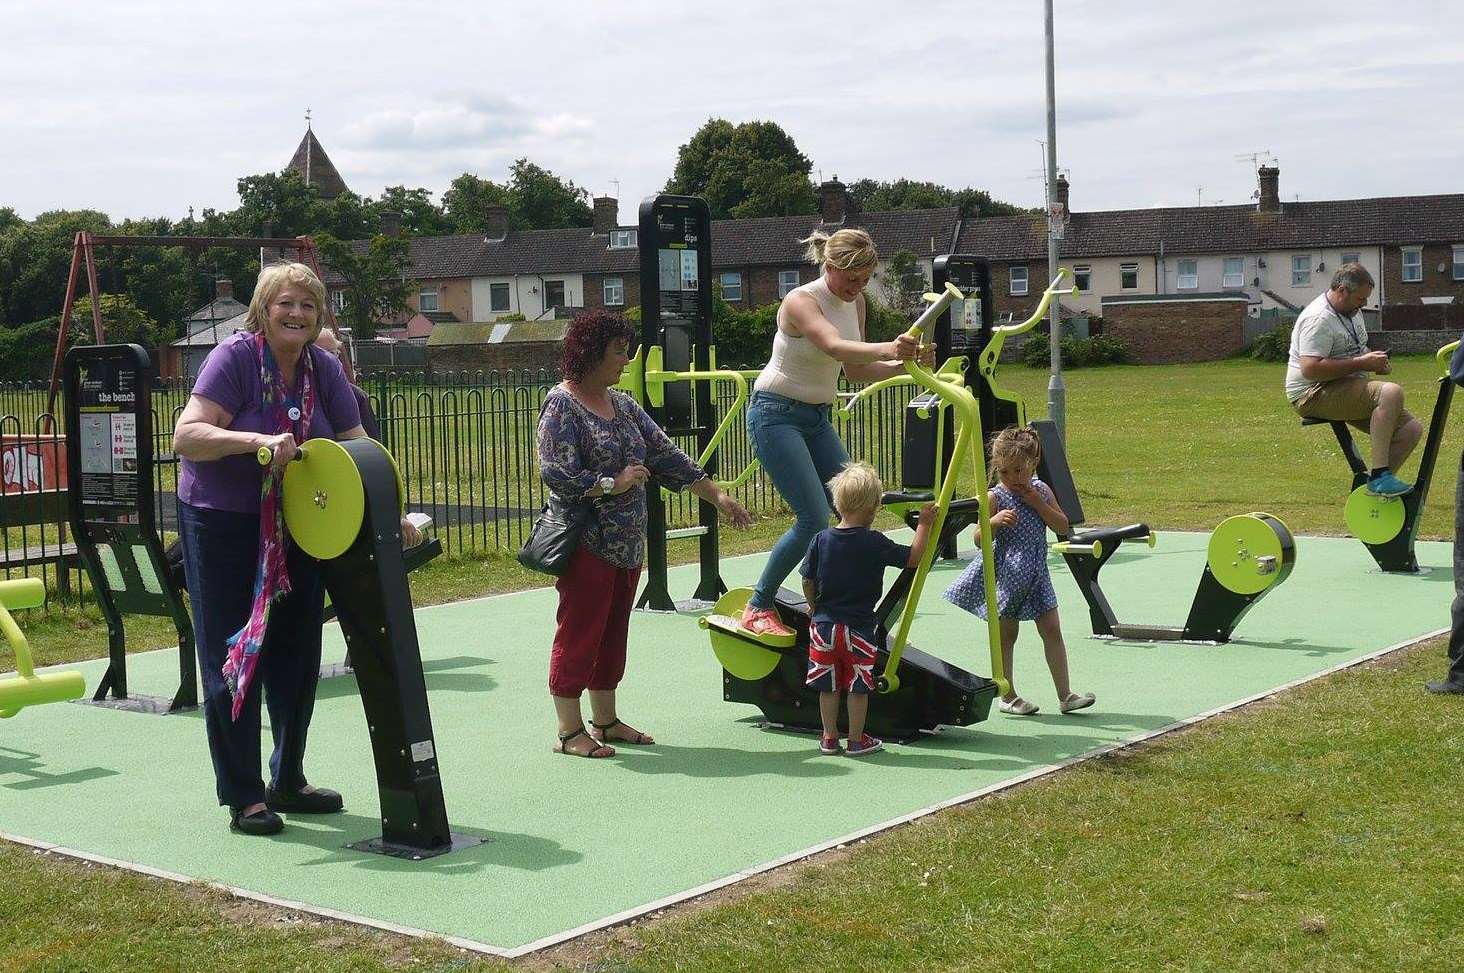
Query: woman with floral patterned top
x=597, y=443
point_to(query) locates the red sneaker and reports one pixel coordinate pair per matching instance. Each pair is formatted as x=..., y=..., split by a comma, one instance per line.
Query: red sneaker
x=865, y=744
x=829, y=746
x=764, y=621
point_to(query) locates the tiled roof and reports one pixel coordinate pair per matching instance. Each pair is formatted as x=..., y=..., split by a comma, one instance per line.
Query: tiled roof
x=210, y=334
x=774, y=239
x=218, y=310
x=488, y=332
x=1393, y=220
x=315, y=167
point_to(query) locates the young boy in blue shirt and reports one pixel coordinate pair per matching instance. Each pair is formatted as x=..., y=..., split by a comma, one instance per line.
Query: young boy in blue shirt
x=843, y=578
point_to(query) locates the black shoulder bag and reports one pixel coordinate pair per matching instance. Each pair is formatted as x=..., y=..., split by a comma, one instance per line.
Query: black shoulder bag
x=555, y=535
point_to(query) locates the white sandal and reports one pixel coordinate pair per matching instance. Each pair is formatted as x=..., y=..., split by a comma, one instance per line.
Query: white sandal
x=1077, y=701
x=1017, y=706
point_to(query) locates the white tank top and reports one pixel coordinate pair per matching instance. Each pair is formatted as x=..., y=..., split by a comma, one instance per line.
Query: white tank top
x=797, y=369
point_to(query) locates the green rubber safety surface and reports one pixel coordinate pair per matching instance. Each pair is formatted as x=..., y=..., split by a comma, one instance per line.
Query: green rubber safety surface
x=1373, y=519
x=574, y=842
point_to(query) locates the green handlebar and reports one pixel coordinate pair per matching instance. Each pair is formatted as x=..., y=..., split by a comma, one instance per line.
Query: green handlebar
x=1444, y=354
x=26, y=688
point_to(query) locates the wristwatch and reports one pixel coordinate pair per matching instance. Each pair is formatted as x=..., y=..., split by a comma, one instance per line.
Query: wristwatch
x=607, y=484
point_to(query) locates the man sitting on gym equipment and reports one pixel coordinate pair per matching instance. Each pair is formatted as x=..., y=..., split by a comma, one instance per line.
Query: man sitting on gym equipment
x=1326, y=378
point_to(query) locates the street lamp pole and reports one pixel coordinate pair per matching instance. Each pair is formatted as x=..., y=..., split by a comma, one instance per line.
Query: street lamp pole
x=1056, y=392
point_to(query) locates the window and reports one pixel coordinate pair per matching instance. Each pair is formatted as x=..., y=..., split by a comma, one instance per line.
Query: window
x=427, y=300
x=1351, y=258
x=338, y=300
x=1128, y=276
x=614, y=291
x=1412, y=264
x=553, y=293
x=1301, y=266
x=1018, y=276
x=1234, y=274
x=787, y=282
x=1189, y=275
x=1083, y=277
x=623, y=239
x=1458, y=261
x=731, y=286
x=498, y=297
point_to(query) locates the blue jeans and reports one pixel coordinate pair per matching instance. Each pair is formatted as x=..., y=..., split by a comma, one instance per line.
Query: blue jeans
x=798, y=447
x=220, y=557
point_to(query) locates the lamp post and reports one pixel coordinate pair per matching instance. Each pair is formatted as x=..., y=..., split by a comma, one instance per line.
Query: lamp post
x=1056, y=392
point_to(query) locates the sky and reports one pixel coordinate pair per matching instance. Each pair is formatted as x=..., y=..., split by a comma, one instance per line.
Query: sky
x=149, y=108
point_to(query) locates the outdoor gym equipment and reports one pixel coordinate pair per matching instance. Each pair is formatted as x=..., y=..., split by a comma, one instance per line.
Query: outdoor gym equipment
x=672, y=375
x=343, y=504
x=1388, y=526
x=917, y=692
x=111, y=511
x=26, y=688
x=1248, y=556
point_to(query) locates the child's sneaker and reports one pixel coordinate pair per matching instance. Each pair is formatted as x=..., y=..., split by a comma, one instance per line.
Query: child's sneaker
x=829, y=746
x=865, y=744
x=1017, y=706
x=1077, y=701
x=764, y=621
x=1388, y=485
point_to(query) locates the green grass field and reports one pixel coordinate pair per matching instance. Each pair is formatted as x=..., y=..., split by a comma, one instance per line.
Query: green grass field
x=1314, y=831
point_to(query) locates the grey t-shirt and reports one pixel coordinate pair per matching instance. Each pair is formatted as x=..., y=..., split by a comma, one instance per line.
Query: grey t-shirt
x=1321, y=332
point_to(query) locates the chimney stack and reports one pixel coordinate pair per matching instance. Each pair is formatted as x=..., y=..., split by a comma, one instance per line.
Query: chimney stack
x=1270, y=197
x=223, y=290
x=495, y=220
x=391, y=223
x=607, y=214
x=1060, y=193
x=833, y=202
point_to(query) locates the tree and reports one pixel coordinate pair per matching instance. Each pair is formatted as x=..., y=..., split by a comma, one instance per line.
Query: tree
x=420, y=215
x=873, y=196
x=904, y=285
x=35, y=258
x=749, y=169
x=465, y=204
x=123, y=322
x=375, y=276
x=540, y=200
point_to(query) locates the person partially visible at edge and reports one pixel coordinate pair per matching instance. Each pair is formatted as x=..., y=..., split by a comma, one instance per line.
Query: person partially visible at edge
x=256, y=598
x=1453, y=681
x=331, y=342
x=821, y=333
x=1326, y=378
x=596, y=443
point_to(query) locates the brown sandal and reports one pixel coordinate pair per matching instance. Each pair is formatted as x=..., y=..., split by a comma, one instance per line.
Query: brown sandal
x=593, y=753
x=640, y=739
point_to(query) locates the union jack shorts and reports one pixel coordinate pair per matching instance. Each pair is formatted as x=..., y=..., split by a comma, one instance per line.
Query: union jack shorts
x=840, y=658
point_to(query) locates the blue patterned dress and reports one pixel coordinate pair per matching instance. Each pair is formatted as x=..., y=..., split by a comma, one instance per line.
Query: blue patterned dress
x=1023, y=584
x=577, y=447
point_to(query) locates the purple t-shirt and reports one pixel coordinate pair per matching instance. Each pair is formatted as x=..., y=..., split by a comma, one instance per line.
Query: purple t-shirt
x=230, y=378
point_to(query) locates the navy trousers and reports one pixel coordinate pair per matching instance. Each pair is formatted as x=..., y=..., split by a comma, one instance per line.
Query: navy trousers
x=1456, y=634
x=220, y=557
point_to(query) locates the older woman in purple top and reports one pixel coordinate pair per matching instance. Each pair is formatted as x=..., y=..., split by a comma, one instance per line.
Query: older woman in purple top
x=597, y=444
x=271, y=387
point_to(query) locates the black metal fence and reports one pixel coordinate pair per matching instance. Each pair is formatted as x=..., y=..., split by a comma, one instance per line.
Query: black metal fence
x=464, y=444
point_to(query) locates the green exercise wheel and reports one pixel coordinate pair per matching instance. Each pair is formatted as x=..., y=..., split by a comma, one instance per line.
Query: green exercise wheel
x=1248, y=552
x=737, y=650
x=1373, y=519
x=325, y=501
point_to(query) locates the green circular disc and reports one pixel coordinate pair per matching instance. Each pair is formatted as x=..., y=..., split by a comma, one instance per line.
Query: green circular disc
x=1236, y=550
x=739, y=656
x=1373, y=519
x=325, y=502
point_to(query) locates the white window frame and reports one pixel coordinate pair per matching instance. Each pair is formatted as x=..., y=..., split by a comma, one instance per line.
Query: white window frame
x=787, y=282
x=731, y=282
x=1229, y=280
x=1356, y=258
x=1124, y=269
x=623, y=239
x=614, y=291
x=1186, y=281
x=1018, y=280
x=493, y=307
x=1083, y=277
x=338, y=300
x=424, y=296
x=1301, y=269
x=1415, y=265
x=1459, y=261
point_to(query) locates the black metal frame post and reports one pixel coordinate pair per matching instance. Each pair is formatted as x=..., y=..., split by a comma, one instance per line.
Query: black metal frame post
x=111, y=507
x=676, y=316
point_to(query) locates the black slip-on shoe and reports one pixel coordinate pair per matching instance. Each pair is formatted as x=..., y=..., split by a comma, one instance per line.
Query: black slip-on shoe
x=322, y=800
x=1446, y=687
x=259, y=823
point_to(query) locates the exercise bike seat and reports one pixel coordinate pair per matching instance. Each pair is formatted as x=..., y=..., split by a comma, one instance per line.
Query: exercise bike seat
x=891, y=497
x=1129, y=533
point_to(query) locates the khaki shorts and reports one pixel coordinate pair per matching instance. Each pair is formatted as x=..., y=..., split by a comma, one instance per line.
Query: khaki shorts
x=1350, y=400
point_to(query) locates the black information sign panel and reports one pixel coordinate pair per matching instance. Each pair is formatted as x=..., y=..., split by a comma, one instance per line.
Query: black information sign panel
x=966, y=329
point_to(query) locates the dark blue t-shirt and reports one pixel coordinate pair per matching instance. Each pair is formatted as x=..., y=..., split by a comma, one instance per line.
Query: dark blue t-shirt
x=847, y=564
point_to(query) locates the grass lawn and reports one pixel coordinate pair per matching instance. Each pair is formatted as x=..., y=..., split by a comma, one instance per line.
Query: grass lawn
x=1314, y=831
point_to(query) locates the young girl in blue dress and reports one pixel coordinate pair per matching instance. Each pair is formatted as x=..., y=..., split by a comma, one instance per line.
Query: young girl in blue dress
x=1023, y=507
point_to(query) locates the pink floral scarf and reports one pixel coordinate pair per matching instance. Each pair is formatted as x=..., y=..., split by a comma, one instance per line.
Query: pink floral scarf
x=272, y=580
